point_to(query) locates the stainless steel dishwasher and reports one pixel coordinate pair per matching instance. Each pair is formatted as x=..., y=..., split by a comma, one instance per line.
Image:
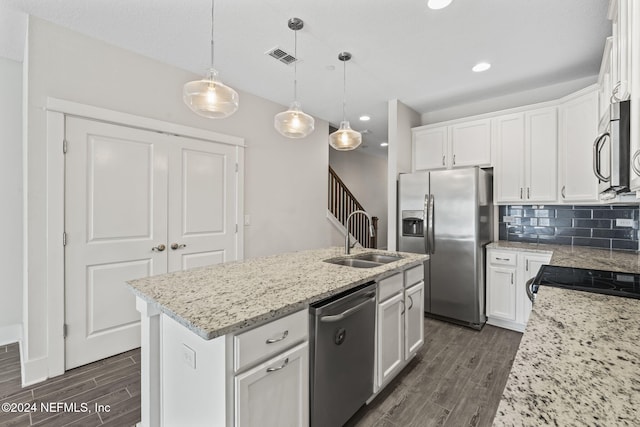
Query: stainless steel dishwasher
x=342, y=354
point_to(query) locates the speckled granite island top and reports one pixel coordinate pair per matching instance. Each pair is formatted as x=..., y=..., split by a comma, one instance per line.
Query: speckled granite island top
x=578, y=363
x=579, y=256
x=224, y=298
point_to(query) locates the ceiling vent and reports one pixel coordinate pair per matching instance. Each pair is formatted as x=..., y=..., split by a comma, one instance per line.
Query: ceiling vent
x=282, y=56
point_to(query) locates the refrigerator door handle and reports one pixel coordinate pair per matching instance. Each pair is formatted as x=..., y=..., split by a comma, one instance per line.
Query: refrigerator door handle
x=432, y=240
x=426, y=221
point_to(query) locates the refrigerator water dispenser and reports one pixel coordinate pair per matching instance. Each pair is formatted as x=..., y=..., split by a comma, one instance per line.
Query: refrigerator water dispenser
x=413, y=223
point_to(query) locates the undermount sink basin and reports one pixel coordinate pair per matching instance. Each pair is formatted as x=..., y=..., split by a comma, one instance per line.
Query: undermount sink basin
x=379, y=258
x=368, y=260
x=353, y=262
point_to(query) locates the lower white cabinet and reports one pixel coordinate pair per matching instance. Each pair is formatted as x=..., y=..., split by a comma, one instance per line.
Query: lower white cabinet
x=501, y=291
x=283, y=383
x=507, y=274
x=400, y=323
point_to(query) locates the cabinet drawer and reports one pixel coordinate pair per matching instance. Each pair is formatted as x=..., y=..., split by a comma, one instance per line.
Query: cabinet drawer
x=390, y=286
x=266, y=340
x=503, y=258
x=414, y=275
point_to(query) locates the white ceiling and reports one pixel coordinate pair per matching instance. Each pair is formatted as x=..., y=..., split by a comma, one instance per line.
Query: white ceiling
x=401, y=49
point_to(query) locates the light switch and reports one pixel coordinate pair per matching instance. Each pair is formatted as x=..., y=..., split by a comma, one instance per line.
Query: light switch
x=247, y=220
x=189, y=356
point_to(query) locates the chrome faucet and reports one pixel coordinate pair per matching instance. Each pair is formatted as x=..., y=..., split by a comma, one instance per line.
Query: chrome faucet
x=347, y=244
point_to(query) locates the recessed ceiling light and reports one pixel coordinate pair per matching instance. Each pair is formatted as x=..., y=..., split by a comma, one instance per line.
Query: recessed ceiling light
x=481, y=66
x=384, y=144
x=438, y=4
x=365, y=118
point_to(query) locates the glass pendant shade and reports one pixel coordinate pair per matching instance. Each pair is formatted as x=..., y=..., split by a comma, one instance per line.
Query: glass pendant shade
x=210, y=98
x=294, y=123
x=345, y=138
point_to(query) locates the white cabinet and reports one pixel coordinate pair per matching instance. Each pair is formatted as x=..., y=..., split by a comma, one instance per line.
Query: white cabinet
x=413, y=320
x=430, y=148
x=282, y=383
x=471, y=143
x=526, y=145
x=578, y=130
x=457, y=145
x=501, y=293
x=390, y=337
x=400, y=323
x=508, y=271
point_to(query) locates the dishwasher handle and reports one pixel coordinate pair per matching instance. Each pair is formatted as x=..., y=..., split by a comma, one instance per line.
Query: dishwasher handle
x=336, y=317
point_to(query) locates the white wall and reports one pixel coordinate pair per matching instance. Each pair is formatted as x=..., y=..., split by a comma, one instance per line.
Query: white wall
x=401, y=120
x=11, y=212
x=511, y=100
x=285, y=180
x=366, y=177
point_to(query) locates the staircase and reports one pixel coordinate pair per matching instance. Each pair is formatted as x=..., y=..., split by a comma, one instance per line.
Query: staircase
x=342, y=203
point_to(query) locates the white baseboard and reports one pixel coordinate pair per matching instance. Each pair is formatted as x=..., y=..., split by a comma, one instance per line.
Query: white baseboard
x=10, y=334
x=506, y=324
x=34, y=371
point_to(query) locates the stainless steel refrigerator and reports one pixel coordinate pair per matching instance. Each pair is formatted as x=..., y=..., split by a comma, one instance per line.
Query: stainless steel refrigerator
x=448, y=215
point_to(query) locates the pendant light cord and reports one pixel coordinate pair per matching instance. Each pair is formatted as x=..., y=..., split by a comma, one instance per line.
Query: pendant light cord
x=344, y=92
x=295, y=65
x=212, y=53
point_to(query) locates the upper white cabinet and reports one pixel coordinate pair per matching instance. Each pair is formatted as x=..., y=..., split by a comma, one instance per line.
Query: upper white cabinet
x=621, y=16
x=430, y=148
x=457, y=145
x=526, y=158
x=578, y=130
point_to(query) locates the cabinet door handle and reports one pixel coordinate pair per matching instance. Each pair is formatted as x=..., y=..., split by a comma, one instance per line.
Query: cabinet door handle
x=634, y=161
x=411, y=300
x=277, y=368
x=443, y=160
x=272, y=340
x=564, y=196
x=527, y=265
x=528, y=193
x=503, y=259
x=404, y=306
x=159, y=248
x=176, y=246
x=512, y=278
x=521, y=192
x=454, y=159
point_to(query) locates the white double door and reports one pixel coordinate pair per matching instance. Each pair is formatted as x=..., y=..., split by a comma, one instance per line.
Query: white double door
x=137, y=203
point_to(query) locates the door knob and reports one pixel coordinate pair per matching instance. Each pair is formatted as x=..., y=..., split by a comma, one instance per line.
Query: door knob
x=175, y=246
x=159, y=248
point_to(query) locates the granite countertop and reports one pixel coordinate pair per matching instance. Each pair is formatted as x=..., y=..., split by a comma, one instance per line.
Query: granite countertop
x=579, y=256
x=578, y=363
x=224, y=298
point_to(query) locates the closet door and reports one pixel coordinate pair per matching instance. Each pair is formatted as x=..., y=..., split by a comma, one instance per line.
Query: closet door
x=115, y=215
x=202, y=203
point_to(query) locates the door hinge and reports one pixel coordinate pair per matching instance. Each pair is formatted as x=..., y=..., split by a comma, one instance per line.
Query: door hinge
x=64, y=330
x=64, y=239
x=237, y=168
x=64, y=146
x=236, y=228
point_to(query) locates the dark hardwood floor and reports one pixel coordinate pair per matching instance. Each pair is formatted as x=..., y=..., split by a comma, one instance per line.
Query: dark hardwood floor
x=113, y=383
x=456, y=380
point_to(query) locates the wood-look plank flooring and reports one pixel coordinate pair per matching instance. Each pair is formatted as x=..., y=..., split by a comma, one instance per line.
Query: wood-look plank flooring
x=455, y=380
x=113, y=383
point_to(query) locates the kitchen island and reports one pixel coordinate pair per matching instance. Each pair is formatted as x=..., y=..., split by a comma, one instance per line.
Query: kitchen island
x=577, y=364
x=203, y=311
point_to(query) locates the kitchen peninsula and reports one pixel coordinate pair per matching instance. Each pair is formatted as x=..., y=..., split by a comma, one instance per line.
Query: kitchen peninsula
x=194, y=322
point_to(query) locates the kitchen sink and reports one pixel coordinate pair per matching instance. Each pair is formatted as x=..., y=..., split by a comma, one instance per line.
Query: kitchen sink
x=368, y=260
x=379, y=258
x=353, y=262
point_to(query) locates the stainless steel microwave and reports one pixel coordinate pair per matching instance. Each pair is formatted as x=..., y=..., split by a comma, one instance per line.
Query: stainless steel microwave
x=612, y=151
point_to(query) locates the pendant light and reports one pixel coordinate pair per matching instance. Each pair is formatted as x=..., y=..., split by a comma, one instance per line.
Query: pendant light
x=294, y=123
x=345, y=138
x=209, y=97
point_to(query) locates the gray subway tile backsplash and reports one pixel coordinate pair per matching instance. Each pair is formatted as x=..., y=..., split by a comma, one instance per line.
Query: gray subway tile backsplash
x=593, y=226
